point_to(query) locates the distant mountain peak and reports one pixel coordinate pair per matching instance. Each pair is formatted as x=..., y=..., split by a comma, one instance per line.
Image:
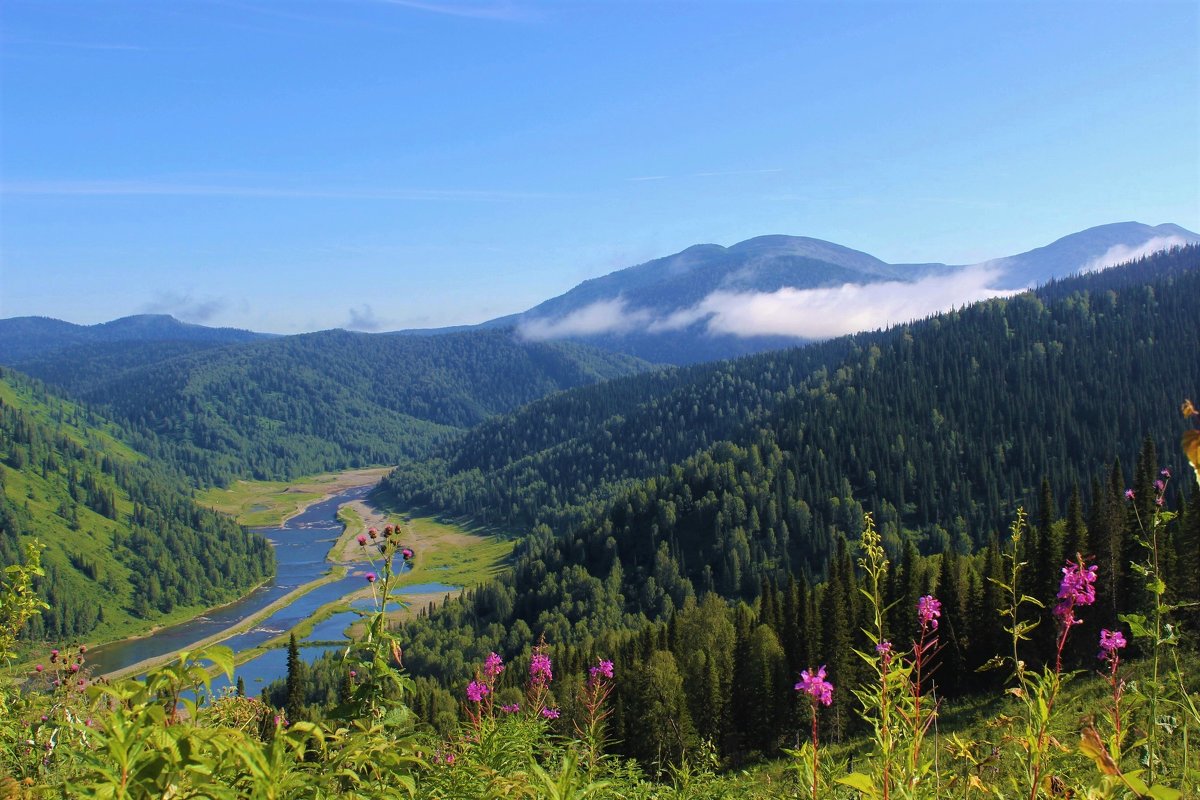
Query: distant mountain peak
x=768, y=290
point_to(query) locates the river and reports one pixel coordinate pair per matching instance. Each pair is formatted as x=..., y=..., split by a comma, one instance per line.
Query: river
x=301, y=546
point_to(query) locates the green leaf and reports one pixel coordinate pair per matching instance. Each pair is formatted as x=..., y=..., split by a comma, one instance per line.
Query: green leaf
x=1164, y=792
x=221, y=657
x=1137, y=625
x=859, y=782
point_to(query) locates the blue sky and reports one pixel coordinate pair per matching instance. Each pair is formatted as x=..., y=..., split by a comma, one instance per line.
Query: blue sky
x=289, y=166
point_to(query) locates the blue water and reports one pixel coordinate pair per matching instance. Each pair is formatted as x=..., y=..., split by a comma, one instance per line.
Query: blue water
x=334, y=628
x=300, y=549
x=258, y=672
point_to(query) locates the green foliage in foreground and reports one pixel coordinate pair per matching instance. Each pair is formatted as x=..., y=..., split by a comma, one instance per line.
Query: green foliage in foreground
x=63, y=736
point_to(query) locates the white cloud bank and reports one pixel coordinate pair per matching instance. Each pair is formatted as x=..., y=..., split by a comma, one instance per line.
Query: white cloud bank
x=801, y=313
x=1121, y=254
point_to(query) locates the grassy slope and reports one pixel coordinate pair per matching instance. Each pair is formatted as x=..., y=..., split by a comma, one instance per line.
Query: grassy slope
x=42, y=495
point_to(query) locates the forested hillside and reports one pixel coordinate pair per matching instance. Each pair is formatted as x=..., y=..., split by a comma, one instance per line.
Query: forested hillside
x=303, y=404
x=125, y=543
x=26, y=338
x=942, y=426
x=715, y=581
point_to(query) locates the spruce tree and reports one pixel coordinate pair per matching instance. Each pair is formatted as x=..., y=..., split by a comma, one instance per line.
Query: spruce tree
x=296, y=689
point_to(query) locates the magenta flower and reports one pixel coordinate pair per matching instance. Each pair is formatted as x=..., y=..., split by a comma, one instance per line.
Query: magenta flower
x=511, y=708
x=493, y=665
x=883, y=648
x=550, y=713
x=39, y=668
x=541, y=670
x=1078, y=588
x=1158, y=484
x=406, y=553
x=1110, y=643
x=362, y=540
x=1166, y=473
x=476, y=691
x=603, y=669
x=353, y=674
x=373, y=533
x=816, y=686
x=1129, y=494
x=370, y=577
x=929, y=608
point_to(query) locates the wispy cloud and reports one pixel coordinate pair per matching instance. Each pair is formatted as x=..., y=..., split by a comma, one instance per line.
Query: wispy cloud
x=184, y=306
x=1120, y=254
x=603, y=316
x=135, y=188
x=363, y=319
x=502, y=11
x=800, y=313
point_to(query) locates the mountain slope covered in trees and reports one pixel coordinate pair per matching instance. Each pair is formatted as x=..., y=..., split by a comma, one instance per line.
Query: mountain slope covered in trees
x=746, y=551
x=943, y=425
x=25, y=338
x=298, y=405
x=125, y=543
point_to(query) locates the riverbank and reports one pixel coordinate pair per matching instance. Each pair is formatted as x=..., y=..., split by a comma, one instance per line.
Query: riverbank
x=268, y=504
x=336, y=574
x=253, y=502
x=445, y=553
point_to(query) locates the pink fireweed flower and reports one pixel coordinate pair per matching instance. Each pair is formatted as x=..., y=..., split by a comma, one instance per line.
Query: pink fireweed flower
x=353, y=674
x=816, y=686
x=603, y=669
x=1158, y=501
x=1078, y=588
x=1158, y=484
x=883, y=648
x=476, y=691
x=929, y=608
x=1166, y=473
x=493, y=665
x=362, y=540
x=550, y=713
x=1129, y=494
x=373, y=533
x=541, y=670
x=1110, y=643
x=406, y=553
x=370, y=577
x=511, y=708
x=39, y=668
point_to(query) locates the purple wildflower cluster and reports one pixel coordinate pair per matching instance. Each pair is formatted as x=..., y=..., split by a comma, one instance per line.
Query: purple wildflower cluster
x=541, y=670
x=493, y=665
x=603, y=669
x=816, y=686
x=929, y=608
x=476, y=691
x=1110, y=643
x=1078, y=588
